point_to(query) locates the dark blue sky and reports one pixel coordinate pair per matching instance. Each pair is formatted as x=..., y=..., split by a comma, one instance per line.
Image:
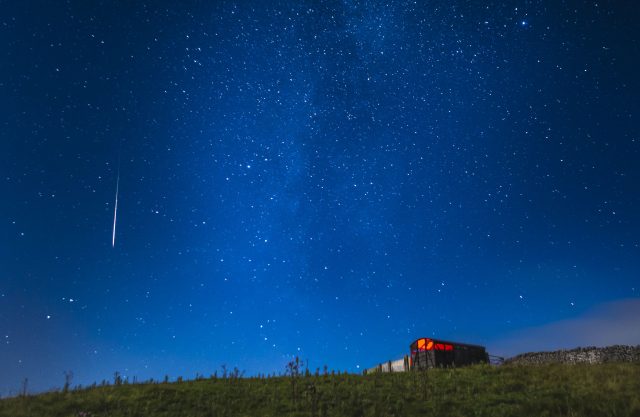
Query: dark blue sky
x=325, y=179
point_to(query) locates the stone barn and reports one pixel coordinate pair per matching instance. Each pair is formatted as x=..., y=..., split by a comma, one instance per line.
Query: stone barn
x=432, y=353
x=428, y=353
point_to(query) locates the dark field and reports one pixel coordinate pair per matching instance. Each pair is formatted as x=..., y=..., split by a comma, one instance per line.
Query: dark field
x=549, y=390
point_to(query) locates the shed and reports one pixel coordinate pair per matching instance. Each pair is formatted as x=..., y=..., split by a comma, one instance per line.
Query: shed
x=431, y=353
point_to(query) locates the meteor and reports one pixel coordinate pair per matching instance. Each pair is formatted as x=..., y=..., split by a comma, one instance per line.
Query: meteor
x=115, y=211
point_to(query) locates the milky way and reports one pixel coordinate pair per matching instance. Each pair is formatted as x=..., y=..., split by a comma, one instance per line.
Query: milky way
x=325, y=179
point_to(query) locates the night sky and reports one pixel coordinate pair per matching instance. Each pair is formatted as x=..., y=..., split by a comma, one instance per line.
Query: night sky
x=325, y=179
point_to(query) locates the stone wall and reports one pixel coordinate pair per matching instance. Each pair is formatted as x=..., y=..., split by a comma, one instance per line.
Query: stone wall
x=591, y=354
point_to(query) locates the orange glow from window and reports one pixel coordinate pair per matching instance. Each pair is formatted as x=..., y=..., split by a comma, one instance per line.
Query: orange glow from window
x=421, y=343
x=428, y=344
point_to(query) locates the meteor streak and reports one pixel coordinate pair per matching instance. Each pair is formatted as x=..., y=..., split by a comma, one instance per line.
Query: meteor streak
x=115, y=212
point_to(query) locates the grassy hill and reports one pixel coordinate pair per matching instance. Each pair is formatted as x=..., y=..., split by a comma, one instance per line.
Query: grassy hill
x=546, y=390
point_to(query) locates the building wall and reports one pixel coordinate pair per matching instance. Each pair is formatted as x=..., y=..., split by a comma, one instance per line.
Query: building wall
x=397, y=365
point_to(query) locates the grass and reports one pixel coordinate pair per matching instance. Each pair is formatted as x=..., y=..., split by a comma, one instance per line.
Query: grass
x=546, y=390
